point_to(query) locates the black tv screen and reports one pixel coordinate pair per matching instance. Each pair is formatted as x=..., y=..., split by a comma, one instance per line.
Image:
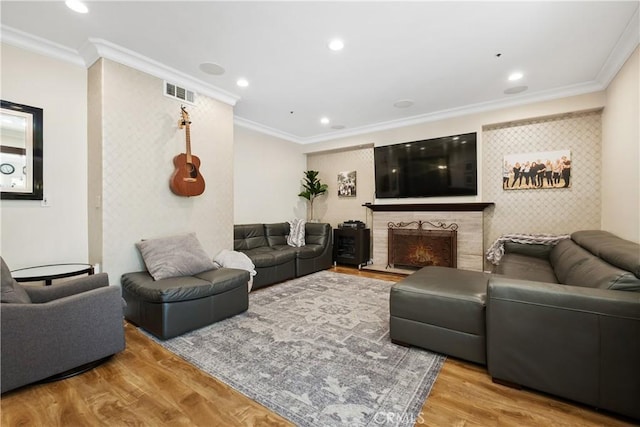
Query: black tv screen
x=438, y=167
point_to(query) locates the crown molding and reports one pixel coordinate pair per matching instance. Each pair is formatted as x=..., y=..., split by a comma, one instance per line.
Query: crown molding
x=98, y=48
x=246, y=123
x=93, y=49
x=512, y=101
x=623, y=49
x=32, y=43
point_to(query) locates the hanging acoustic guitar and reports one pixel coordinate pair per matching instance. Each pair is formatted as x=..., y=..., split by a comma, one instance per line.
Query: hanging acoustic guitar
x=186, y=179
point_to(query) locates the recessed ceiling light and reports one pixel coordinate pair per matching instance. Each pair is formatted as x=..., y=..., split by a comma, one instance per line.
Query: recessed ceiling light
x=403, y=103
x=515, y=76
x=516, y=89
x=211, y=68
x=242, y=82
x=77, y=6
x=336, y=44
x=324, y=120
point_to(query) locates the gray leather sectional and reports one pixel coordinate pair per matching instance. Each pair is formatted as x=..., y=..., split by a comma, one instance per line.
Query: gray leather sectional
x=276, y=261
x=564, y=320
x=169, y=307
x=172, y=306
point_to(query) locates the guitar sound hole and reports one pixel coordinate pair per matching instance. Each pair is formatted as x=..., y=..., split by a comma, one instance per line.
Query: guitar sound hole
x=193, y=172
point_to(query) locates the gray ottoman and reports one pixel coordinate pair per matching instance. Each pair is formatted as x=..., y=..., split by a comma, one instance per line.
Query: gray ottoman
x=170, y=307
x=443, y=310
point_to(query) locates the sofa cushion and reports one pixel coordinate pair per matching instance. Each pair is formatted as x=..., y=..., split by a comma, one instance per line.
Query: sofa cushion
x=174, y=256
x=533, y=250
x=520, y=266
x=276, y=233
x=248, y=236
x=576, y=266
x=318, y=233
x=309, y=251
x=12, y=291
x=566, y=256
x=268, y=257
x=616, y=251
x=204, y=284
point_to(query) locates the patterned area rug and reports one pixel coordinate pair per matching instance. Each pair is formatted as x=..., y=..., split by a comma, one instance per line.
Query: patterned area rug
x=316, y=350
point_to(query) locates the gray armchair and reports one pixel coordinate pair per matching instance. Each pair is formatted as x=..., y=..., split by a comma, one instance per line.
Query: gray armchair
x=48, y=331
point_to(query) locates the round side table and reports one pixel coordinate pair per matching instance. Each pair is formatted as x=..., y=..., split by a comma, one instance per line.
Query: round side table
x=48, y=273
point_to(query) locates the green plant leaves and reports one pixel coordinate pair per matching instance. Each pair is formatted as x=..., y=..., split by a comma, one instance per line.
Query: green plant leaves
x=312, y=185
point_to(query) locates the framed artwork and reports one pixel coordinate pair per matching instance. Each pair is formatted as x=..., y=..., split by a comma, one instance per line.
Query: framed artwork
x=543, y=169
x=347, y=184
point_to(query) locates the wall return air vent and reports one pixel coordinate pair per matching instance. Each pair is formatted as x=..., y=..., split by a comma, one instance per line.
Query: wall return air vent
x=176, y=92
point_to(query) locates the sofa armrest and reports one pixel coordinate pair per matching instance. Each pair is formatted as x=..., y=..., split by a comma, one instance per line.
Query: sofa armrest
x=40, y=340
x=65, y=289
x=578, y=343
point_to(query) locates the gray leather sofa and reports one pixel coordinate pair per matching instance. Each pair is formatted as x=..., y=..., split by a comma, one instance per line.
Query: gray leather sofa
x=564, y=320
x=276, y=261
x=172, y=306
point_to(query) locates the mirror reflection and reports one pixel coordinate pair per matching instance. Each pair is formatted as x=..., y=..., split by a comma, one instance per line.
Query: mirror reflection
x=16, y=151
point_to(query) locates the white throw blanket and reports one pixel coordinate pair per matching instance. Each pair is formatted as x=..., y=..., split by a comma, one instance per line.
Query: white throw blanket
x=496, y=251
x=233, y=259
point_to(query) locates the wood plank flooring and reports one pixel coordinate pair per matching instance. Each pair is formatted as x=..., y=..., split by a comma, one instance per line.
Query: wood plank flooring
x=146, y=385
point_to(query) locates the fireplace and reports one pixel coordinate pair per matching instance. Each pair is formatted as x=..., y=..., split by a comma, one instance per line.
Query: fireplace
x=411, y=245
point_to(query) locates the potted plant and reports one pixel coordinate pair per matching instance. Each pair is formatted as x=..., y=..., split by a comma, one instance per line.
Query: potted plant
x=312, y=188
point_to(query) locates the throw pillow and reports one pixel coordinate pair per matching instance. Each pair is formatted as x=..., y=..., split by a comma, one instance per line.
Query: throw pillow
x=12, y=291
x=174, y=256
x=297, y=229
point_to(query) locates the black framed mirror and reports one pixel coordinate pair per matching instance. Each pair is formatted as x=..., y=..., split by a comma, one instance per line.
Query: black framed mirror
x=20, y=152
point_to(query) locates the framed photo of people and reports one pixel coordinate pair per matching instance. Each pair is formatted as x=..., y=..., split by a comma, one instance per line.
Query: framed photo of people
x=347, y=184
x=544, y=169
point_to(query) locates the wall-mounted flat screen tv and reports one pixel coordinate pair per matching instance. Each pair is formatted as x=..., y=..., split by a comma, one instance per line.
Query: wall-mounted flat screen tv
x=439, y=167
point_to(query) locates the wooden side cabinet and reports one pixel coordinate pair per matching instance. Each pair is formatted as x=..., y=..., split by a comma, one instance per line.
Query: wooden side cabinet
x=351, y=246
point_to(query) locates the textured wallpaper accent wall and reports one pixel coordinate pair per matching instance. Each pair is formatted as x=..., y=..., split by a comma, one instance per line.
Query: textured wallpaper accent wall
x=139, y=138
x=555, y=211
x=334, y=209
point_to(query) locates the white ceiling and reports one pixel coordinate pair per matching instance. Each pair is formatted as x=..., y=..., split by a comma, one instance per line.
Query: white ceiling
x=441, y=55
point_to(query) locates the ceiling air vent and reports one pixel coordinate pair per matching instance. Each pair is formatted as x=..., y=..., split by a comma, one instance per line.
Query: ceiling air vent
x=174, y=91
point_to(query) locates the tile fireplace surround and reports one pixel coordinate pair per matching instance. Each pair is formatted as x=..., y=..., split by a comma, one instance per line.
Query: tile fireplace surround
x=468, y=217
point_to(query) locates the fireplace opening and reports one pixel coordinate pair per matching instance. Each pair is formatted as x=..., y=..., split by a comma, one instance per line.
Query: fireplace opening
x=411, y=246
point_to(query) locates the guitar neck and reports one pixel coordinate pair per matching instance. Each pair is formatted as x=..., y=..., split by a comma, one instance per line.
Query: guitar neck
x=188, y=136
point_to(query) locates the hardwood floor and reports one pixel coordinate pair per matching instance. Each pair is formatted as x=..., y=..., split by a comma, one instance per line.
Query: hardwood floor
x=146, y=385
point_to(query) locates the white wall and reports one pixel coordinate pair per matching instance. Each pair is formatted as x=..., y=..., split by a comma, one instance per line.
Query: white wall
x=32, y=234
x=621, y=153
x=267, y=175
